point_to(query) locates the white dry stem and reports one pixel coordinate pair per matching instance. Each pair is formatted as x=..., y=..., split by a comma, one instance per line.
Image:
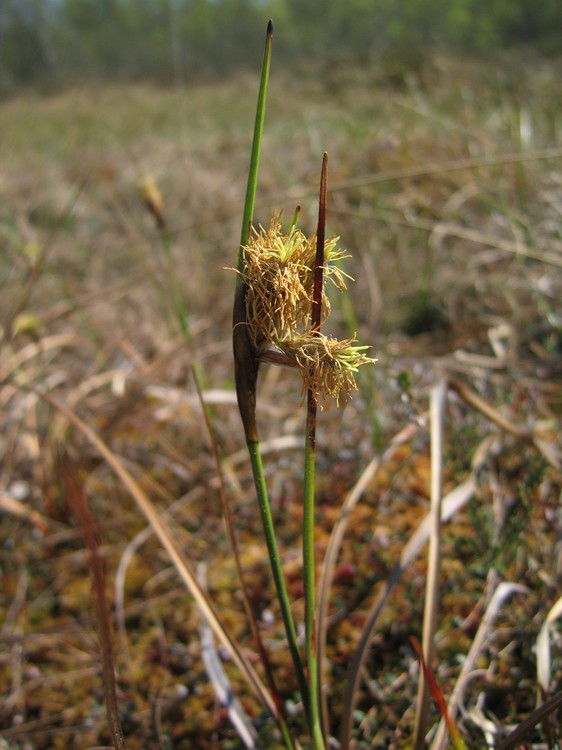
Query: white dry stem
x=452, y=503
x=501, y=594
x=219, y=679
x=438, y=402
x=543, y=647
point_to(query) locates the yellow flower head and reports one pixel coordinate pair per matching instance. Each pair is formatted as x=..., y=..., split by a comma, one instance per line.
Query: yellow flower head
x=278, y=275
x=327, y=365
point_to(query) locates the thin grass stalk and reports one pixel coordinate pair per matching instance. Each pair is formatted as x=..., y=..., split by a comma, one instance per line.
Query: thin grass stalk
x=246, y=365
x=309, y=576
x=174, y=290
x=439, y=699
x=452, y=503
x=165, y=536
x=171, y=292
x=229, y=524
x=336, y=538
x=437, y=409
x=168, y=290
x=499, y=597
x=539, y=714
x=309, y=566
x=74, y=490
x=251, y=187
x=154, y=203
x=277, y=571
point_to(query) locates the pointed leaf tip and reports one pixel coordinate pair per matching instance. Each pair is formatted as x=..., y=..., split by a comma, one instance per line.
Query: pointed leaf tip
x=270, y=28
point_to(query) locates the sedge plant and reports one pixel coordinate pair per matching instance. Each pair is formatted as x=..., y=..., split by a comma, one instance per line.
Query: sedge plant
x=279, y=310
x=154, y=202
x=279, y=306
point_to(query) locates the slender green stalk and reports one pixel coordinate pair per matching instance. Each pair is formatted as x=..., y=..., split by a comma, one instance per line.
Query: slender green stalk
x=276, y=569
x=309, y=576
x=199, y=380
x=229, y=523
x=309, y=567
x=246, y=365
x=173, y=288
x=245, y=360
x=250, y=200
x=294, y=219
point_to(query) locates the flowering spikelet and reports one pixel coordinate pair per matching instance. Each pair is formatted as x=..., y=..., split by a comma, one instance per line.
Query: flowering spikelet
x=327, y=365
x=153, y=200
x=278, y=275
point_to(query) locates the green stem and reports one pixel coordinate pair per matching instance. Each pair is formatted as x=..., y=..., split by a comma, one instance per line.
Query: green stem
x=294, y=219
x=251, y=187
x=277, y=571
x=309, y=575
x=246, y=364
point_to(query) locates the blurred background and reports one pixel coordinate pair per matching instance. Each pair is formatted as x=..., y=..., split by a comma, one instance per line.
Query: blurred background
x=443, y=123
x=53, y=42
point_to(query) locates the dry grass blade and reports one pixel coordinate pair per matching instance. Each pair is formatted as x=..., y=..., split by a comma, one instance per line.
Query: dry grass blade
x=501, y=594
x=482, y=238
x=73, y=487
x=539, y=714
x=546, y=449
x=338, y=533
x=126, y=559
x=452, y=503
x=438, y=697
x=437, y=404
x=11, y=363
x=543, y=648
x=181, y=563
x=451, y=166
x=220, y=681
x=19, y=510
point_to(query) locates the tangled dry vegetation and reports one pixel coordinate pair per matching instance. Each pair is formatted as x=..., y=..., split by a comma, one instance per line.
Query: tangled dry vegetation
x=446, y=189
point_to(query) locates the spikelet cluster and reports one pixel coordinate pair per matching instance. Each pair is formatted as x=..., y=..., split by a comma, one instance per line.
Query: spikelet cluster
x=327, y=365
x=278, y=274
